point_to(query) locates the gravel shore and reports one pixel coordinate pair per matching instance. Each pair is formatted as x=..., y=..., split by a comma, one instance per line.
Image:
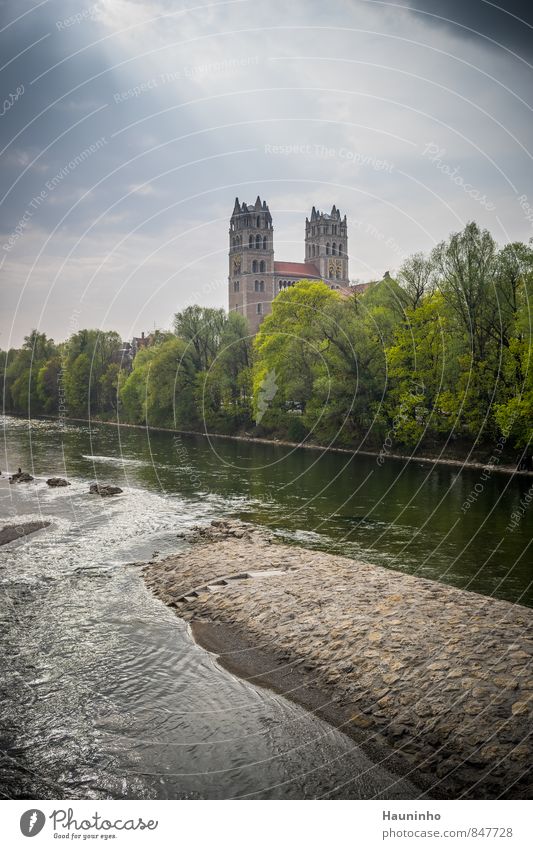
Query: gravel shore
x=436, y=680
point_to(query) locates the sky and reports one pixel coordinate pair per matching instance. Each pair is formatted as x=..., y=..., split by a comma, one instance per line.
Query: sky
x=128, y=128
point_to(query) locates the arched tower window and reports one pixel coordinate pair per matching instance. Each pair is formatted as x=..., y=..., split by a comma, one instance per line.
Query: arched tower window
x=258, y=241
x=340, y=248
x=264, y=243
x=327, y=248
x=262, y=266
x=258, y=221
x=251, y=242
x=254, y=265
x=334, y=249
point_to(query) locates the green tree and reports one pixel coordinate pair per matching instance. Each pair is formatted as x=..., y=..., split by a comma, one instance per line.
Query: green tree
x=201, y=328
x=48, y=384
x=22, y=370
x=289, y=344
x=225, y=390
x=160, y=390
x=417, y=278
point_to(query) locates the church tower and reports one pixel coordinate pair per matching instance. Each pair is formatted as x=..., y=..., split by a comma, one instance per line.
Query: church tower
x=251, y=261
x=326, y=246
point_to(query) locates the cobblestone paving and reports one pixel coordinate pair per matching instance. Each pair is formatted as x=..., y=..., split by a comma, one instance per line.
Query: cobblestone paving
x=442, y=675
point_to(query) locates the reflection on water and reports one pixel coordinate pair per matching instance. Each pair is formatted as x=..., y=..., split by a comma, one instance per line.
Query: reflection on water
x=104, y=693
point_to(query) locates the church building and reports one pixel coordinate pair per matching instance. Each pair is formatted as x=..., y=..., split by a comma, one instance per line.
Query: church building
x=255, y=277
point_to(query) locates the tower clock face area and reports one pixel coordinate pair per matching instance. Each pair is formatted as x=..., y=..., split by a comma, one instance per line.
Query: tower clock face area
x=335, y=269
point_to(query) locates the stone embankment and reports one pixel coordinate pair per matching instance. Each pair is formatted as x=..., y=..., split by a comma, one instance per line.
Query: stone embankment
x=440, y=677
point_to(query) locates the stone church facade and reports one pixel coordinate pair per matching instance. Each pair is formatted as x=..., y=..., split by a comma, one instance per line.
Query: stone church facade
x=255, y=277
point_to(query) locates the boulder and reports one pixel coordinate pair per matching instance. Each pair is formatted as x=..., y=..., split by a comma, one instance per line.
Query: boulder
x=57, y=482
x=104, y=490
x=20, y=477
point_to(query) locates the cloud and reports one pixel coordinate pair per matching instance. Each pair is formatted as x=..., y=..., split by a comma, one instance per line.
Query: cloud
x=302, y=103
x=508, y=23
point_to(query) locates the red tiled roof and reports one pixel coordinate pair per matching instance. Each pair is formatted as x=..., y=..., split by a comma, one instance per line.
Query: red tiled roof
x=295, y=269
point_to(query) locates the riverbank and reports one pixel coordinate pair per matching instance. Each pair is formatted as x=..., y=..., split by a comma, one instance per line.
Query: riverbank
x=437, y=679
x=504, y=468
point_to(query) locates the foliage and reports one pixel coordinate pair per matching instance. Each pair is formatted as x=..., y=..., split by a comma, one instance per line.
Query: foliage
x=443, y=352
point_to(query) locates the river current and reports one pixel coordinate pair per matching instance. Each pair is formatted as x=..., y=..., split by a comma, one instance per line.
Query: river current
x=105, y=694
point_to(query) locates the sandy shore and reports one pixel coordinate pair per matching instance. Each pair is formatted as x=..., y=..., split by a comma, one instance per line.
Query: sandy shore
x=11, y=532
x=436, y=681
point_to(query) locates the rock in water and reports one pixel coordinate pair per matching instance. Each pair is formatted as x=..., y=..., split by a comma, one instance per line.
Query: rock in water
x=20, y=477
x=104, y=490
x=57, y=482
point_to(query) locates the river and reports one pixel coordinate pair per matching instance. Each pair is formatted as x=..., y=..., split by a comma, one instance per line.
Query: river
x=104, y=692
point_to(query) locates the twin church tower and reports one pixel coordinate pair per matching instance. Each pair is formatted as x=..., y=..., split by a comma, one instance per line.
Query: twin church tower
x=255, y=278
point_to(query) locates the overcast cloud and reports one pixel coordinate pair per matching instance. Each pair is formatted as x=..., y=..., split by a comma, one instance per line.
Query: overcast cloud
x=132, y=126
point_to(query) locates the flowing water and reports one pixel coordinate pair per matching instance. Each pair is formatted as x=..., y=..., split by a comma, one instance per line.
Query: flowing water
x=103, y=691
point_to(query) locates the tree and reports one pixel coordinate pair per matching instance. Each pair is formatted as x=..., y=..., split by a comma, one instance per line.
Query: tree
x=201, y=328
x=225, y=390
x=48, y=384
x=80, y=392
x=423, y=371
x=466, y=265
x=22, y=369
x=160, y=390
x=289, y=344
x=90, y=353
x=417, y=278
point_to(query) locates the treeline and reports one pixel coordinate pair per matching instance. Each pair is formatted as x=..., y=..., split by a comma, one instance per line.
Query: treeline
x=200, y=372
x=439, y=355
